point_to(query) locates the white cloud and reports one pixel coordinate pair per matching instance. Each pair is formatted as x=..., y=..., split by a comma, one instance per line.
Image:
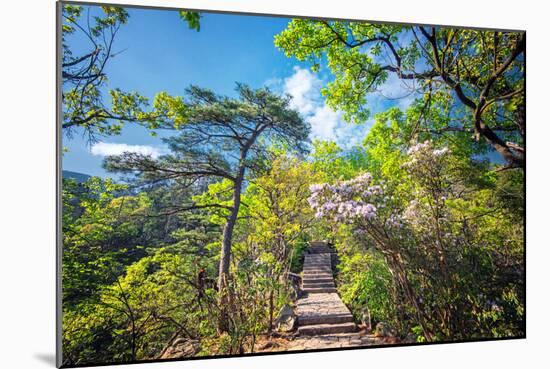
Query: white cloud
x=402, y=92
x=107, y=149
x=326, y=124
x=350, y=135
x=304, y=87
x=324, y=121
x=395, y=92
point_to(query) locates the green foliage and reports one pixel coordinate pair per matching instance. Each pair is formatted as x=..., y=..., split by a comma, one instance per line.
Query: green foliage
x=140, y=311
x=101, y=234
x=119, y=298
x=470, y=81
x=192, y=18
x=332, y=163
x=278, y=203
x=367, y=287
x=355, y=71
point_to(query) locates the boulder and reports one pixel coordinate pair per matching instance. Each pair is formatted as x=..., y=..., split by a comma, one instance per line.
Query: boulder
x=181, y=348
x=295, y=281
x=286, y=320
x=384, y=330
x=410, y=338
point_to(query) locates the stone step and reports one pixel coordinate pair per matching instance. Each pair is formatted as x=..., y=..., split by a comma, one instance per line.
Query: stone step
x=317, y=274
x=319, y=280
x=320, y=251
x=317, y=265
x=324, y=281
x=321, y=255
x=310, y=260
x=315, y=262
x=318, y=243
x=320, y=290
x=312, y=330
x=318, y=285
x=310, y=283
x=325, y=319
x=326, y=256
x=320, y=266
x=317, y=270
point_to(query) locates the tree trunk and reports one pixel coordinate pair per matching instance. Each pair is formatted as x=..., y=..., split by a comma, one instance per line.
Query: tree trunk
x=225, y=255
x=271, y=308
x=410, y=294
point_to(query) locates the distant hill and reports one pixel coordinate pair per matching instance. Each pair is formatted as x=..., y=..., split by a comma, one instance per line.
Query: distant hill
x=79, y=177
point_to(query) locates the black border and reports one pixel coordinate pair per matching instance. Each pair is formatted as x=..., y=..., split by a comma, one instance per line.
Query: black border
x=59, y=181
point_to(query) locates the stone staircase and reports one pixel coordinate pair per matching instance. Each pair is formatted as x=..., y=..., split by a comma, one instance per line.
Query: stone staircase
x=321, y=311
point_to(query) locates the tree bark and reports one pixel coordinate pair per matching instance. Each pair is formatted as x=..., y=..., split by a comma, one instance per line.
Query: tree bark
x=271, y=308
x=225, y=255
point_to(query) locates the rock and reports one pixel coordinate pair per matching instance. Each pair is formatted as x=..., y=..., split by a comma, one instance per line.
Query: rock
x=384, y=330
x=295, y=281
x=269, y=345
x=180, y=348
x=410, y=338
x=286, y=320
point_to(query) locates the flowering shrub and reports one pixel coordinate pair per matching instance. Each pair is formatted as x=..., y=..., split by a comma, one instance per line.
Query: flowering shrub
x=358, y=199
x=346, y=201
x=431, y=229
x=424, y=157
x=427, y=165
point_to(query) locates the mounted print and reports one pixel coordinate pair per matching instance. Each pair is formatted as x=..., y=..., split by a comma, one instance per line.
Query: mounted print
x=242, y=184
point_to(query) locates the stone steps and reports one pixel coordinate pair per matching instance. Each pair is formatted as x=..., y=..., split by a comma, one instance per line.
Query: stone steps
x=320, y=329
x=321, y=311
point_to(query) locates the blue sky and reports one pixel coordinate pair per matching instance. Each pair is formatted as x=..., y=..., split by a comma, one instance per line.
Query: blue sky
x=160, y=53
